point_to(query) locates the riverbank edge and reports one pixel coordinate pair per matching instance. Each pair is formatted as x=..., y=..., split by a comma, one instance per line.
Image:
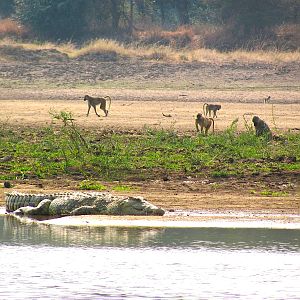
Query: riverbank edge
x=241, y=219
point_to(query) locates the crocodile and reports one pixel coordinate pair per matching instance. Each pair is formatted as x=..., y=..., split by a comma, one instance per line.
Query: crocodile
x=78, y=203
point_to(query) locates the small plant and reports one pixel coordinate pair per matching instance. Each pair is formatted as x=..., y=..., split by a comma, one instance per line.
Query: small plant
x=91, y=185
x=71, y=141
x=123, y=188
x=273, y=117
x=233, y=126
x=220, y=174
x=248, y=127
x=215, y=185
x=273, y=193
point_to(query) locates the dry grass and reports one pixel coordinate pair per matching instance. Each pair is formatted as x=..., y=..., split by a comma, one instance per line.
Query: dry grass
x=64, y=48
x=182, y=37
x=164, y=53
x=103, y=46
x=289, y=34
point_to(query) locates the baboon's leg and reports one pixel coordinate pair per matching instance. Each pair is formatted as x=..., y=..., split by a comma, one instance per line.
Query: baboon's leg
x=105, y=111
x=103, y=107
x=207, y=127
x=197, y=125
x=89, y=107
x=202, y=129
x=95, y=110
x=215, y=113
x=209, y=112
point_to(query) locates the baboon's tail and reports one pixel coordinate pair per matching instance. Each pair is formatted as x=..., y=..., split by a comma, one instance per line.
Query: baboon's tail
x=213, y=121
x=109, y=101
x=204, y=112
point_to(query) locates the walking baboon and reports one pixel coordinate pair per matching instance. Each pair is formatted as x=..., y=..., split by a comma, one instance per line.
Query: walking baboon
x=267, y=100
x=261, y=127
x=96, y=101
x=204, y=123
x=208, y=108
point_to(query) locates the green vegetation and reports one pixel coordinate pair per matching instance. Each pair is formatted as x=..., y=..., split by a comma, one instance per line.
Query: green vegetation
x=273, y=193
x=71, y=151
x=123, y=188
x=91, y=185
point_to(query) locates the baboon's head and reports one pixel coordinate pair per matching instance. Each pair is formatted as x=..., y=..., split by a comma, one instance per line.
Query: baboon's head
x=255, y=120
x=86, y=97
x=199, y=116
x=218, y=106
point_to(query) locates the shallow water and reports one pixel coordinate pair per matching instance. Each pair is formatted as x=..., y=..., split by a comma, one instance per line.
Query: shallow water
x=53, y=262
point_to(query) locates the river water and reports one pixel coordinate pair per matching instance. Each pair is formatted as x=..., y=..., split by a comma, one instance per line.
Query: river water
x=54, y=262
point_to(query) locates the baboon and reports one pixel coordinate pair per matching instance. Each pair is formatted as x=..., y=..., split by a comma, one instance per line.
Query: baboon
x=261, y=127
x=267, y=100
x=208, y=108
x=96, y=101
x=204, y=123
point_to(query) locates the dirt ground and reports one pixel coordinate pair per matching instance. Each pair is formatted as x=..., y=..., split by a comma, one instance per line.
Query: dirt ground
x=136, y=115
x=240, y=91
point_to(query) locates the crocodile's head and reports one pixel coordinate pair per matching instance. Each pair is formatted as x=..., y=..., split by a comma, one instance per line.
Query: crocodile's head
x=133, y=206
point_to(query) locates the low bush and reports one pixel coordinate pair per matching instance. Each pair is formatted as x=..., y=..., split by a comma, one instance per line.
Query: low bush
x=11, y=28
x=179, y=38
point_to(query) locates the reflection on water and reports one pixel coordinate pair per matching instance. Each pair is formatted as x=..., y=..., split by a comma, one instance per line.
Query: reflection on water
x=52, y=262
x=13, y=231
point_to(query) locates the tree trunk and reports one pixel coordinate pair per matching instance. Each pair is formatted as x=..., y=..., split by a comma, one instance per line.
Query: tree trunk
x=182, y=11
x=115, y=14
x=161, y=6
x=131, y=17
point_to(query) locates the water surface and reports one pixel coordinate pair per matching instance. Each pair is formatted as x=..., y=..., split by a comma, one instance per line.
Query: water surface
x=53, y=262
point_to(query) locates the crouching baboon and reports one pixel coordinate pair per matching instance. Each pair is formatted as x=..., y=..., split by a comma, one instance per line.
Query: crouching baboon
x=96, y=101
x=261, y=127
x=204, y=123
x=208, y=108
x=267, y=100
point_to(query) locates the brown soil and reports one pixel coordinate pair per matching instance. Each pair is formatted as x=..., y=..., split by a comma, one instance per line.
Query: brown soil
x=240, y=89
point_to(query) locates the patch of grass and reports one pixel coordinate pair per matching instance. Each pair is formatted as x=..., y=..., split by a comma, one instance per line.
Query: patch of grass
x=123, y=188
x=91, y=185
x=165, y=53
x=274, y=193
x=66, y=149
x=220, y=174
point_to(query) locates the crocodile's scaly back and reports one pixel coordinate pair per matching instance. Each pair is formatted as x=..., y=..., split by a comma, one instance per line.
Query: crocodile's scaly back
x=75, y=203
x=15, y=200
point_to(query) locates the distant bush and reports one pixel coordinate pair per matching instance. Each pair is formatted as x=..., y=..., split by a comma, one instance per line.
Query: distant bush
x=288, y=35
x=181, y=37
x=223, y=37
